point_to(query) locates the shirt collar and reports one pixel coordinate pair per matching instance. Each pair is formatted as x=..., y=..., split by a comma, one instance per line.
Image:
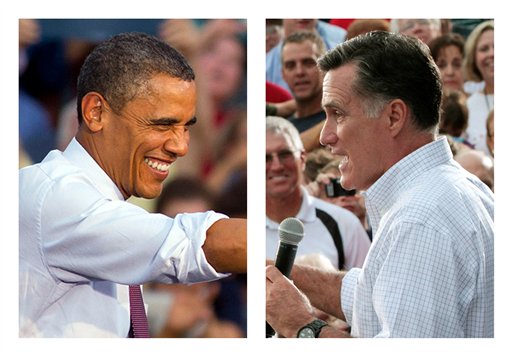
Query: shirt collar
x=307, y=211
x=76, y=154
x=384, y=193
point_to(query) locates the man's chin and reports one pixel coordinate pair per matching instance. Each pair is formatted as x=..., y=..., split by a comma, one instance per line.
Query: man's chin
x=148, y=193
x=347, y=184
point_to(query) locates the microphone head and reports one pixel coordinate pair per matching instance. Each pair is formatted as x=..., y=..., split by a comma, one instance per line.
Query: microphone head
x=291, y=231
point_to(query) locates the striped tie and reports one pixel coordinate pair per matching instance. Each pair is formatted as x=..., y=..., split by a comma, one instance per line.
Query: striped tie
x=139, y=323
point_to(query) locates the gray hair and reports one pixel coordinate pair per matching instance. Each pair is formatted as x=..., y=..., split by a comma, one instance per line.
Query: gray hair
x=280, y=126
x=394, y=24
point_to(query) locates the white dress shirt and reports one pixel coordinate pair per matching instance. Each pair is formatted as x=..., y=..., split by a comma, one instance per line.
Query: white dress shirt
x=430, y=270
x=81, y=245
x=318, y=240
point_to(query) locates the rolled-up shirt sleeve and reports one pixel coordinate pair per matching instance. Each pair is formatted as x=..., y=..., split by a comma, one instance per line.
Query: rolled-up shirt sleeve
x=190, y=265
x=97, y=238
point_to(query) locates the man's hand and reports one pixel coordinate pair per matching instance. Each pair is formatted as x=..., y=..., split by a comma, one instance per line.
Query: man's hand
x=288, y=309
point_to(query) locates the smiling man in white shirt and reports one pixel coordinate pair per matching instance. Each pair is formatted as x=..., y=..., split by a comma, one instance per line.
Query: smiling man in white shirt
x=81, y=243
x=329, y=230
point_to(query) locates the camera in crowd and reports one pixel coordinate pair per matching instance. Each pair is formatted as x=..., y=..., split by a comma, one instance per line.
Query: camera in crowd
x=334, y=189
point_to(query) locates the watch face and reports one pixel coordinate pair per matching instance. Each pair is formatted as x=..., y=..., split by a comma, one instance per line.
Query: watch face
x=312, y=329
x=307, y=332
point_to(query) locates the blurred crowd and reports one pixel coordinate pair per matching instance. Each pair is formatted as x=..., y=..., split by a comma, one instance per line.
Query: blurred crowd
x=211, y=177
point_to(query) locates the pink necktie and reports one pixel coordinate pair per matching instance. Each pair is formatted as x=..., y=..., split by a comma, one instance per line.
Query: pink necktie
x=139, y=327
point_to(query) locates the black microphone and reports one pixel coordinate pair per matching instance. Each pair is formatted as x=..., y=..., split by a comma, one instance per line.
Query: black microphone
x=291, y=232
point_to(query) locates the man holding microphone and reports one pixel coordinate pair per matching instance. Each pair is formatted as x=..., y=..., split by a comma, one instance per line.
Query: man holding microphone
x=430, y=269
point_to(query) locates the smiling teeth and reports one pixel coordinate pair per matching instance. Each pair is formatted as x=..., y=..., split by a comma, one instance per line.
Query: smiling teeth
x=158, y=166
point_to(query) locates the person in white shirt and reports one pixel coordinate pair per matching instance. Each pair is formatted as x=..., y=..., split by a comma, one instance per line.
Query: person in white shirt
x=430, y=269
x=329, y=230
x=479, y=67
x=81, y=244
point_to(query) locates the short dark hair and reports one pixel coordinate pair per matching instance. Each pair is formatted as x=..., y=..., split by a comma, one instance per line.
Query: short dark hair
x=454, y=116
x=120, y=68
x=183, y=188
x=303, y=36
x=391, y=66
x=449, y=39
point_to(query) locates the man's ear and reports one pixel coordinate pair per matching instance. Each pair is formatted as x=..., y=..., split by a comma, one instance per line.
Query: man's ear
x=302, y=157
x=398, y=111
x=93, y=105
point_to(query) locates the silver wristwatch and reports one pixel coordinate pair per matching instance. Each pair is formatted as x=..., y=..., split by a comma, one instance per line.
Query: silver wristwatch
x=312, y=329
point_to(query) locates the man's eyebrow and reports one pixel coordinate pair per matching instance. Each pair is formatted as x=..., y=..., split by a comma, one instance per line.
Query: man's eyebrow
x=328, y=104
x=164, y=121
x=172, y=121
x=192, y=121
x=331, y=103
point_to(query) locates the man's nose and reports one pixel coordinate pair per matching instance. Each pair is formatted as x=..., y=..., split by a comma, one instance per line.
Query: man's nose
x=328, y=133
x=178, y=142
x=299, y=69
x=273, y=161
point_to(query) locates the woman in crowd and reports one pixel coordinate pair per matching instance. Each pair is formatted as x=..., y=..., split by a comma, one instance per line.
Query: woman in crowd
x=479, y=66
